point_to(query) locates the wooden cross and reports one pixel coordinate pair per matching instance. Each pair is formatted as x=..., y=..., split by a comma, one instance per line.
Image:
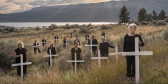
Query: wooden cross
x=91, y=46
x=137, y=54
x=116, y=54
x=99, y=58
x=36, y=47
x=75, y=62
x=21, y=64
x=50, y=57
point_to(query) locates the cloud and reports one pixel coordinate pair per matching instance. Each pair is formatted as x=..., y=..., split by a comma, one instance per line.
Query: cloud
x=10, y=6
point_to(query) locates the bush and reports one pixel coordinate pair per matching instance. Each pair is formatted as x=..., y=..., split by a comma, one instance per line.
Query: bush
x=166, y=20
x=161, y=22
x=52, y=27
x=154, y=22
x=144, y=23
x=59, y=48
x=164, y=34
x=83, y=30
x=37, y=28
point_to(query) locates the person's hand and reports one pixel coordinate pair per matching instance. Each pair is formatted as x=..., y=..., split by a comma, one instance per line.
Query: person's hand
x=140, y=42
x=26, y=60
x=83, y=60
x=20, y=55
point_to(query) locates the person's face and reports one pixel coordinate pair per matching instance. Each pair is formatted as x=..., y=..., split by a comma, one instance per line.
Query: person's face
x=92, y=37
x=103, y=39
x=35, y=41
x=132, y=29
x=76, y=38
x=75, y=45
x=20, y=45
x=103, y=31
x=51, y=45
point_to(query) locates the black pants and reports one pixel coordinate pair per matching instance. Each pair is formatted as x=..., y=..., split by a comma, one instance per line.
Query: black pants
x=37, y=49
x=49, y=60
x=73, y=63
x=130, y=66
x=19, y=70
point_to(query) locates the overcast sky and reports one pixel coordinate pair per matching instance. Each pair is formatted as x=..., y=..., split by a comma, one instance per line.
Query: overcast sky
x=11, y=6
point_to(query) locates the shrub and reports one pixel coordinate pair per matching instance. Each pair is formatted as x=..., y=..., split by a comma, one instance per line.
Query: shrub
x=144, y=23
x=121, y=43
x=164, y=33
x=83, y=30
x=59, y=48
x=37, y=28
x=160, y=22
x=166, y=20
x=52, y=27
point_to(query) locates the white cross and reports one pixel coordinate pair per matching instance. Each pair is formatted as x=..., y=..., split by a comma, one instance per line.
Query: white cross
x=105, y=35
x=66, y=43
x=21, y=64
x=50, y=57
x=117, y=53
x=137, y=54
x=36, y=47
x=99, y=58
x=87, y=38
x=78, y=36
x=91, y=46
x=44, y=42
x=56, y=39
x=75, y=62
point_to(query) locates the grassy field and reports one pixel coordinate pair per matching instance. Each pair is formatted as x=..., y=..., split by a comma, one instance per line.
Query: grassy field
x=153, y=69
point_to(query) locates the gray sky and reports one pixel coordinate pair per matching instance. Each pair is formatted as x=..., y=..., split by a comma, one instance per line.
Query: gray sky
x=11, y=6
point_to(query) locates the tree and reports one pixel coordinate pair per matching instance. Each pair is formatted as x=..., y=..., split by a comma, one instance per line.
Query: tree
x=149, y=17
x=154, y=15
x=124, y=15
x=142, y=15
x=162, y=15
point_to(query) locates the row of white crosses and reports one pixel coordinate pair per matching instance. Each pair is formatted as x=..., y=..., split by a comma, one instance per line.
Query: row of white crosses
x=116, y=53
x=36, y=46
x=50, y=57
x=136, y=54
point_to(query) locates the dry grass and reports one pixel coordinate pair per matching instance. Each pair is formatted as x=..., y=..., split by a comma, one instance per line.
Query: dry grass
x=153, y=69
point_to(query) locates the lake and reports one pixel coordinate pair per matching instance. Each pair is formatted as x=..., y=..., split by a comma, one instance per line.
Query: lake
x=41, y=24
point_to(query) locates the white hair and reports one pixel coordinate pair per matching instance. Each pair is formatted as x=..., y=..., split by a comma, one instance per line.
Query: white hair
x=20, y=43
x=132, y=25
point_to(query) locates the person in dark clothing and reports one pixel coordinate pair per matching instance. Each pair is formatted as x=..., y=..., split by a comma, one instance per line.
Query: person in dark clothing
x=129, y=46
x=44, y=42
x=21, y=50
x=77, y=41
x=53, y=52
x=94, y=42
x=71, y=35
x=104, y=48
x=56, y=37
x=78, y=52
x=64, y=42
x=103, y=34
x=87, y=36
x=36, y=48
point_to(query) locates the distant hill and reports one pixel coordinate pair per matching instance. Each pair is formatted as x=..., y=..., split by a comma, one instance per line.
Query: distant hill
x=94, y=12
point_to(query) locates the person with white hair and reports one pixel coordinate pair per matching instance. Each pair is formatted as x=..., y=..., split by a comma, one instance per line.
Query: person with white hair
x=94, y=42
x=104, y=47
x=129, y=46
x=21, y=50
x=53, y=52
